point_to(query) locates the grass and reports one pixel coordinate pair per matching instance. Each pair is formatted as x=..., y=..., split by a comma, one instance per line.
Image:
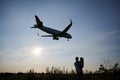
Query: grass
x=39, y=76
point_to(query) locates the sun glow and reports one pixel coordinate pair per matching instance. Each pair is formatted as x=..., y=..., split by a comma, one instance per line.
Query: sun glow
x=37, y=50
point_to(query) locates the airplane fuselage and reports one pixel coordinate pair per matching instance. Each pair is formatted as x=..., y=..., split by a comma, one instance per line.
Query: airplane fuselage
x=54, y=32
x=49, y=30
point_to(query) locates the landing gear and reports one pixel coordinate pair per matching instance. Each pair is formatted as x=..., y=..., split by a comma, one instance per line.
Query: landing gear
x=67, y=39
x=55, y=38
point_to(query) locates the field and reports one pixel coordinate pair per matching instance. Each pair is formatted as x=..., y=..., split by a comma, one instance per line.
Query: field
x=41, y=76
x=57, y=74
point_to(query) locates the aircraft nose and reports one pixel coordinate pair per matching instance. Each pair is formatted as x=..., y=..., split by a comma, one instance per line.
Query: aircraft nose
x=70, y=36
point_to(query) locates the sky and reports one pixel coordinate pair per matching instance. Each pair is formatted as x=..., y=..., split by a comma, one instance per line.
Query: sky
x=95, y=34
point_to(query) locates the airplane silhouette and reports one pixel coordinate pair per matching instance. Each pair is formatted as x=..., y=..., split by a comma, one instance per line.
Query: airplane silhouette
x=54, y=33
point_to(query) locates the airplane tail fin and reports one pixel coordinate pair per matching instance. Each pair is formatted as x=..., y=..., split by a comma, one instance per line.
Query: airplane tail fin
x=38, y=22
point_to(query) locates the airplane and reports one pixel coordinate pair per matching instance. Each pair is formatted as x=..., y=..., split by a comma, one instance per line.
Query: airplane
x=54, y=33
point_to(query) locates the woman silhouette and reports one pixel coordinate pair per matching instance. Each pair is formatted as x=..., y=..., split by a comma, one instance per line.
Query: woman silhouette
x=79, y=66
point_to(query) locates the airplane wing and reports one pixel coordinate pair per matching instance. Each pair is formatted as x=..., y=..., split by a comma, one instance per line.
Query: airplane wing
x=68, y=27
x=46, y=35
x=54, y=37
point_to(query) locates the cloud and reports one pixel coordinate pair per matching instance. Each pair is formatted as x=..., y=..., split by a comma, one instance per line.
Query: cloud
x=102, y=37
x=111, y=33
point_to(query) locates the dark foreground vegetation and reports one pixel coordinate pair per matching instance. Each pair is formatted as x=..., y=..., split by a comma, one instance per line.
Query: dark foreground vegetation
x=102, y=73
x=38, y=76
